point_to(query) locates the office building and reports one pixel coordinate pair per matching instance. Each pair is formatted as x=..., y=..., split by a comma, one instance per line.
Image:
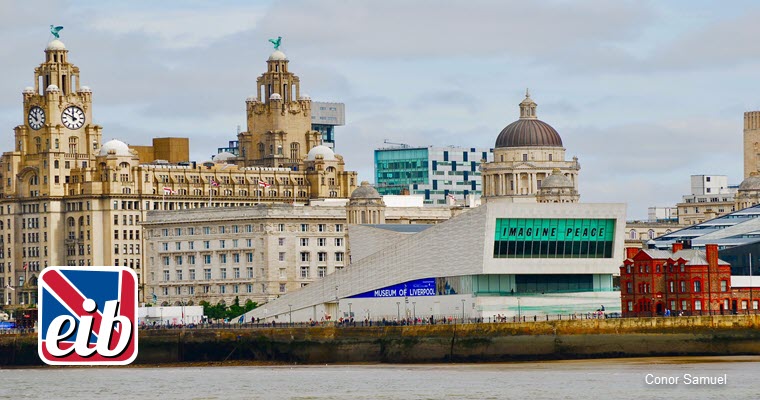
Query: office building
x=440, y=174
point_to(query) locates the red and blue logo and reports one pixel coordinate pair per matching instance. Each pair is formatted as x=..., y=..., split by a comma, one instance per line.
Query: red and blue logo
x=87, y=316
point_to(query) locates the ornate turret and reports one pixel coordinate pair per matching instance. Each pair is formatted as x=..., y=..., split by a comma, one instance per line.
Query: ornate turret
x=279, y=119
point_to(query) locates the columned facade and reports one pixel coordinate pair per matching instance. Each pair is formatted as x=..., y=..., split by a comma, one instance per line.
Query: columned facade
x=526, y=153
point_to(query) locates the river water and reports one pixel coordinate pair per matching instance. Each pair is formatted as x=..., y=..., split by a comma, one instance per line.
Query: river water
x=584, y=379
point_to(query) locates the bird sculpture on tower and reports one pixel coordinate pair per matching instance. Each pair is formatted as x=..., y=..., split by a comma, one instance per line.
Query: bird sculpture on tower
x=276, y=42
x=54, y=30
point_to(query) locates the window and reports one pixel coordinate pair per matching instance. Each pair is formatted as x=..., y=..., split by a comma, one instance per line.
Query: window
x=282, y=256
x=222, y=258
x=221, y=244
x=234, y=243
x=192, y=274
x=178, y=246
x=178, y=260
x=629, y=287
x=249, y=257
x=322, y=272
x=191, y=260
x=249, y=272
x=321, y=228
x=281, y=241
x=236, y=258
x=630, y=306
x=321, y=241
x=207, y=259
x=206, y=230
x=322, y=257
x=166, y=260
x=683, y=305
x=683, y=286
x=338, y=242
x=207, y=273
x=166, y=275
x=206, y=244
x=338, y=227
x=671, y=287
x=304, y=241
x=222, y=289
x=191, y=245
x=249, y=242
x=282, y=288
x=698, y=305
x=339, y=256
x=179, y=274
x=304, y=272
x=236, y=273
x=281, y=228
x=697, y=286
x=223, y=272
x=304, y=227
x=304, y=256
x=724, y=286
x=754, y=304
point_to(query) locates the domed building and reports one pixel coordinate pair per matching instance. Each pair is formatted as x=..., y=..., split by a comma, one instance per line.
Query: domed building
x=557, y=188
x=526, y=153
x=748, y=194
x=366, y=206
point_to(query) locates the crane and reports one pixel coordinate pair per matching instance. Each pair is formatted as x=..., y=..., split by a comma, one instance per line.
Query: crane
x=404, y=145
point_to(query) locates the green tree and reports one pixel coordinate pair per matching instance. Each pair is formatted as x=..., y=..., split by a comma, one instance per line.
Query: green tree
x=250, y=305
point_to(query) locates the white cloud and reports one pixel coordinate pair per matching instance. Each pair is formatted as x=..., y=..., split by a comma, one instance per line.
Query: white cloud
x=180, y=29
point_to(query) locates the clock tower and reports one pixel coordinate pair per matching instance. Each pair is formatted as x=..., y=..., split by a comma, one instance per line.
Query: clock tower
x=57, y=135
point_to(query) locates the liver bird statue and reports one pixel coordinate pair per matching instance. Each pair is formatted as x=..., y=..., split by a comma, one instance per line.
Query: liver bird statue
x=54, y=30
x=276, y=42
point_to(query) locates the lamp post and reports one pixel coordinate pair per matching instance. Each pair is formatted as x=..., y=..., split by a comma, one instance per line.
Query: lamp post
x=518, y=309
x=463, y=301
x=398, y=310
x=290, y=314
x=349, y=311
x=414, y=310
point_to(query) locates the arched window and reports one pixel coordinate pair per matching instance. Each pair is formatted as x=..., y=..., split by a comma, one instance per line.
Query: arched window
x=57, y=144
x=124, y=165
x=38, y=144
x=70, y=221
x=632, y=234
x=651, y=234
x=261, y=150
x=56, y=164
x=34, y=180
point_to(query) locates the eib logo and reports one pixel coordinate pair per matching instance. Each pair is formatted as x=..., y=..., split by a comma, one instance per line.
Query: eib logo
x=87, y=316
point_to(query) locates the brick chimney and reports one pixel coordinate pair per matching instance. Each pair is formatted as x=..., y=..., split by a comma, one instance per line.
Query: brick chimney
x=711, y=254
x=677, y=247
x=630, y=252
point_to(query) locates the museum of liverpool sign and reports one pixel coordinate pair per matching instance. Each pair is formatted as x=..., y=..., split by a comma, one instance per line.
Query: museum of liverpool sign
x=553, y=238
x=419, y=287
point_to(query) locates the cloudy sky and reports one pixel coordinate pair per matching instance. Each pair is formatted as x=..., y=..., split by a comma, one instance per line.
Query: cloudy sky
x=645, y=93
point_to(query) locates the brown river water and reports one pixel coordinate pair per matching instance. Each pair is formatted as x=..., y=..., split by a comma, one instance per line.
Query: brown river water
x=636, y=378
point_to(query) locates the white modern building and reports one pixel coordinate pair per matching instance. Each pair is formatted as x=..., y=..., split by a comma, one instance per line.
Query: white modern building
x=711, y=196
x=504, y=257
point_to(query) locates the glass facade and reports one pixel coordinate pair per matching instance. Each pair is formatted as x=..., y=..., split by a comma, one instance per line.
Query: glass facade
x=396, y=169
x=553, y=238
x=739, y=258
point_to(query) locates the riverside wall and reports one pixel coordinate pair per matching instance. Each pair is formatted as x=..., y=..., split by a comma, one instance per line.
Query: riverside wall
x=486, y=342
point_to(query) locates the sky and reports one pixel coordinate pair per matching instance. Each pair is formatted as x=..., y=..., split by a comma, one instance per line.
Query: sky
x=644, y=93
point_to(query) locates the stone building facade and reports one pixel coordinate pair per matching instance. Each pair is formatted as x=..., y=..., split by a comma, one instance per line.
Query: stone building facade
x=69, y=199
x=254, y=253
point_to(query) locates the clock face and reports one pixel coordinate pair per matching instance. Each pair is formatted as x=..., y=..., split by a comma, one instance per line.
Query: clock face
x=73, y=117
x=36, y=118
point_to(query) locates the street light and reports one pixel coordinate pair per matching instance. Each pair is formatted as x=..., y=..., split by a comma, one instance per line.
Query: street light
x=463, y=301
x=518, y=309
x=290, y=306
x=398, y=310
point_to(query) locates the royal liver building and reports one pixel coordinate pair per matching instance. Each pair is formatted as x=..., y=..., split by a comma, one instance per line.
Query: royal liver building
x=67, y=198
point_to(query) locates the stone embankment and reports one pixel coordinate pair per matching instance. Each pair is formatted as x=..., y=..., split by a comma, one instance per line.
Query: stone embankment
x=487, y=342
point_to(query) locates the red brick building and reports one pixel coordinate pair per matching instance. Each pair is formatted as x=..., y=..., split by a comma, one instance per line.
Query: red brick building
x=687, y=281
